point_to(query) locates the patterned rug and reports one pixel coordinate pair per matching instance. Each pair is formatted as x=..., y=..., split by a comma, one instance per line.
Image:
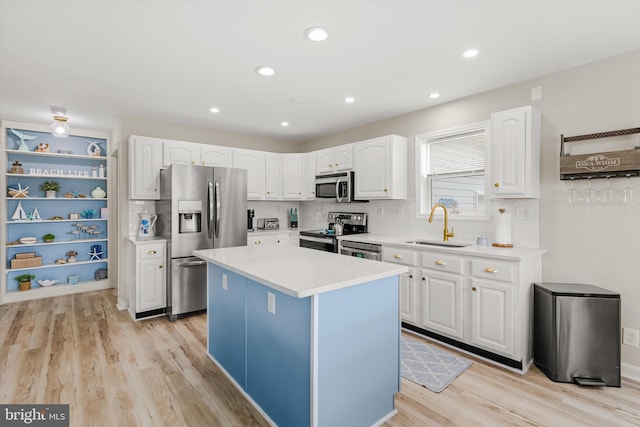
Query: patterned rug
x=429, y=366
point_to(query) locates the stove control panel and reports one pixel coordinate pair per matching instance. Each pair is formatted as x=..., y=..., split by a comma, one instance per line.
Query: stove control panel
x=350, y=218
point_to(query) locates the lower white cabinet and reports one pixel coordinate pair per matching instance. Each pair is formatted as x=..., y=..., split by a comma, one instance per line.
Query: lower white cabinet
x=262, y=238
x=147, y=277
x=480, y=302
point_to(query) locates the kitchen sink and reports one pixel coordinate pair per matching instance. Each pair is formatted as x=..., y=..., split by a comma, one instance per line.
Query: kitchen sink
x=442, y=244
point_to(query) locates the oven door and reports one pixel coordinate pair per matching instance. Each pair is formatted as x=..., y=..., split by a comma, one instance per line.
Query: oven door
x=328, y=244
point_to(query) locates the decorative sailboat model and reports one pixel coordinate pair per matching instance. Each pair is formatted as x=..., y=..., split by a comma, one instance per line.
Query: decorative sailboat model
x=19, y=213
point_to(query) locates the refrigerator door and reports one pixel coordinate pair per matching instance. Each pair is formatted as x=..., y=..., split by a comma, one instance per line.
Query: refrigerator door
x=226, y=207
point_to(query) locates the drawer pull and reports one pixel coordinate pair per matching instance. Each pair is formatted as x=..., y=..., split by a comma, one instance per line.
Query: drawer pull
x=257, y=242
x=193, y=162
x=424, y=279
x=152, y=252
x=397, y=256
x=441, y=262
x=490, y=270
x=496, y=185
x=159, y=266
x=473, y=289
x=411, y=276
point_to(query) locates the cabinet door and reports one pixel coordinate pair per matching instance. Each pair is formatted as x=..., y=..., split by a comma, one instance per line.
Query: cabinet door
x=310, y=176
x=371, y=166
x=343, y=157
x=324, y=161
x=145, y=162
x=254, y=163
x=515, y=153
x=261, y=240
x=180, y=152
x=151, y=282
x=214, y=155
x=292, y=176
x=442, y=303
x=492, y=316
x=409, y=296
x=273, y=176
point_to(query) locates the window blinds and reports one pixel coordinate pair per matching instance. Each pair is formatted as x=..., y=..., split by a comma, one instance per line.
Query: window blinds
x=456, y=154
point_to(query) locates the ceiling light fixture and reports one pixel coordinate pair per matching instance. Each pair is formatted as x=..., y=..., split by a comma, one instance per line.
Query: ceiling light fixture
x=59, y=128
x=214, y=110
x=265, y=71
x=284, y=124
x=471, y=53
x=434, y=95
x=349, y=100
x=317, y=34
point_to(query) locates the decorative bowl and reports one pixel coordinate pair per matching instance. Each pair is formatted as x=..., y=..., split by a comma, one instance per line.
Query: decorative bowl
x=27, y=240
x=46, y=282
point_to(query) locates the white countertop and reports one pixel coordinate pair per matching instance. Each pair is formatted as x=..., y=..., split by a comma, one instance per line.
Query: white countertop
x=137, y=240
x=299, y=272
x=517, y=253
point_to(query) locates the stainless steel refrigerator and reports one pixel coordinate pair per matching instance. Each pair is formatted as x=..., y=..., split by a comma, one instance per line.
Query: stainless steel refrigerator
x=200, y=207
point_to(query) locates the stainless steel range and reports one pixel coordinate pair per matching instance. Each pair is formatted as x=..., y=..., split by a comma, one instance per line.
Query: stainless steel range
x=325, y=240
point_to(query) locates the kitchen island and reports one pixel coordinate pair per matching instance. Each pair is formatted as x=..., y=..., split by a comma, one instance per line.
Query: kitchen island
x=310, y=337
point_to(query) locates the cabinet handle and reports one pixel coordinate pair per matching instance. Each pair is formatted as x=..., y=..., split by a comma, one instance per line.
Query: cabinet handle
x=152, y=252
x=441, y=262
x=397, y=256
x=159, y=266
x=193, y=162
x=490, y=270
x=385, y=190
x=411, y=276
x=203, y=163
x=424, y=279
x=299, y=194
x=155, y=189
x=474, y=289
x=257, y=242
x=496, y=184
x=277, y=241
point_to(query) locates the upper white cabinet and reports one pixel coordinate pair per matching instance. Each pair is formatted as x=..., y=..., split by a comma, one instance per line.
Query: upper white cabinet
x=310, y=176
x=514, y=153
x=215, y=155
x=293, y=178
x=254, y=162
x=180, y=152
x=380, y=166
x=334, y=159
x=145, y=162
x=273, y=176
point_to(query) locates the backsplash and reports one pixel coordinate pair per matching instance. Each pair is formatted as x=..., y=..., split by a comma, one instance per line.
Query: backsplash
x=392, y=217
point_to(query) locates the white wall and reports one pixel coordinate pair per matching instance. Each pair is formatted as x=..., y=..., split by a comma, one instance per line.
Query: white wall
x=595, y=244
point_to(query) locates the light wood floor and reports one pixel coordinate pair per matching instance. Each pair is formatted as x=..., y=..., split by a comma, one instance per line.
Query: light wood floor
x=79, y=349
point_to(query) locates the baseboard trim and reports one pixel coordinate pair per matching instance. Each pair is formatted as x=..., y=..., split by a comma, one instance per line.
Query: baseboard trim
x=122, y=305
x=630, y=372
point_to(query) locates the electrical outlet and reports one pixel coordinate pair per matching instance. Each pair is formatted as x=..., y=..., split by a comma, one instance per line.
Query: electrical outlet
x=631, y=337
x=523, y=213
x=224, y=281
x=271, y=302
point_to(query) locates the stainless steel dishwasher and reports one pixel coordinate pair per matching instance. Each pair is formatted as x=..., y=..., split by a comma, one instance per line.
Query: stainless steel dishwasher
x=361, y=250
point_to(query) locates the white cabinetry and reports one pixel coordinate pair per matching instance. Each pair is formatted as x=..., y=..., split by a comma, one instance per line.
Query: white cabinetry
x=515, y=153
x=254, y=162
x=270, y=238
x=215, y=155
x=181, y=153
x=409, y=282
x=145, y=162
x=442, y=305
x=380, y=166
x=310, y=168
x=293, y=178
x=334, y=159
x=147, y=287
x=273, y=176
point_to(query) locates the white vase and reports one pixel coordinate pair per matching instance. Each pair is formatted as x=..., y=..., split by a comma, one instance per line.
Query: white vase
x=98, y=193
x=50, y=194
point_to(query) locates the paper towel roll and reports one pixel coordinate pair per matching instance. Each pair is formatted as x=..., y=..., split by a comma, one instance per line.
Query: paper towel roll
x=502, y=231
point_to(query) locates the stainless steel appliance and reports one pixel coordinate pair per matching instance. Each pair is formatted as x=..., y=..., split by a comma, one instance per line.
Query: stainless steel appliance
x=361, y=250
x=268, y=223
x=325, y=240
x=200, y=207
x=337, y=186
x=576, y=333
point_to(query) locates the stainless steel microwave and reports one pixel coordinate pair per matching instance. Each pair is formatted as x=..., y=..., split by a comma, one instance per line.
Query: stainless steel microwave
x=337, y=186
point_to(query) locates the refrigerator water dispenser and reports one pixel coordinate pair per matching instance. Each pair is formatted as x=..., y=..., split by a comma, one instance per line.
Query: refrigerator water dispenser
x=189, y=216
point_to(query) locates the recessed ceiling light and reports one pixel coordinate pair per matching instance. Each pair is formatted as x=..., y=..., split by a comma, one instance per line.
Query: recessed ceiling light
x=349, y=100
x=284, y=124
x=471, y=53
x=214, y=110
x=434, y=95
x=317, y=34
x=265, y=71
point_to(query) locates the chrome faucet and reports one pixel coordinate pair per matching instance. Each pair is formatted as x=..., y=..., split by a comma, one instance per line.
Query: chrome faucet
x=446, y=233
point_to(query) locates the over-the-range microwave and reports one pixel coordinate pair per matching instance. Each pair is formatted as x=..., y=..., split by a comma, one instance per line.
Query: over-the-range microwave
x=337, y=186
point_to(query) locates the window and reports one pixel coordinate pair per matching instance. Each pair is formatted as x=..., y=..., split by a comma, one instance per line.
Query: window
x=451, y=170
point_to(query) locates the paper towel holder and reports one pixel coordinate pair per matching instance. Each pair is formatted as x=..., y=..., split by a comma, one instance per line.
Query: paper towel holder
x=502, y=245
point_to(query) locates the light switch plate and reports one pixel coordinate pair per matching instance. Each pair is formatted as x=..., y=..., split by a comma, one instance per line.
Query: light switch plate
x=271, y=302
x=224, y=282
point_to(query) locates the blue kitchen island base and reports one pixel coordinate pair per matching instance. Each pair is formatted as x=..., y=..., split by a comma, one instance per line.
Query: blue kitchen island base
x=328, y=359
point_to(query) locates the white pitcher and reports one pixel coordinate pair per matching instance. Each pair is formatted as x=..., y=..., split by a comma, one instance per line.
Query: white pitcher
x=147, y=221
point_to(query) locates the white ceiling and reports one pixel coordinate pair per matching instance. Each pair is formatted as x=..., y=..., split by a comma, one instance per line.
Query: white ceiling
x=173, y=60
